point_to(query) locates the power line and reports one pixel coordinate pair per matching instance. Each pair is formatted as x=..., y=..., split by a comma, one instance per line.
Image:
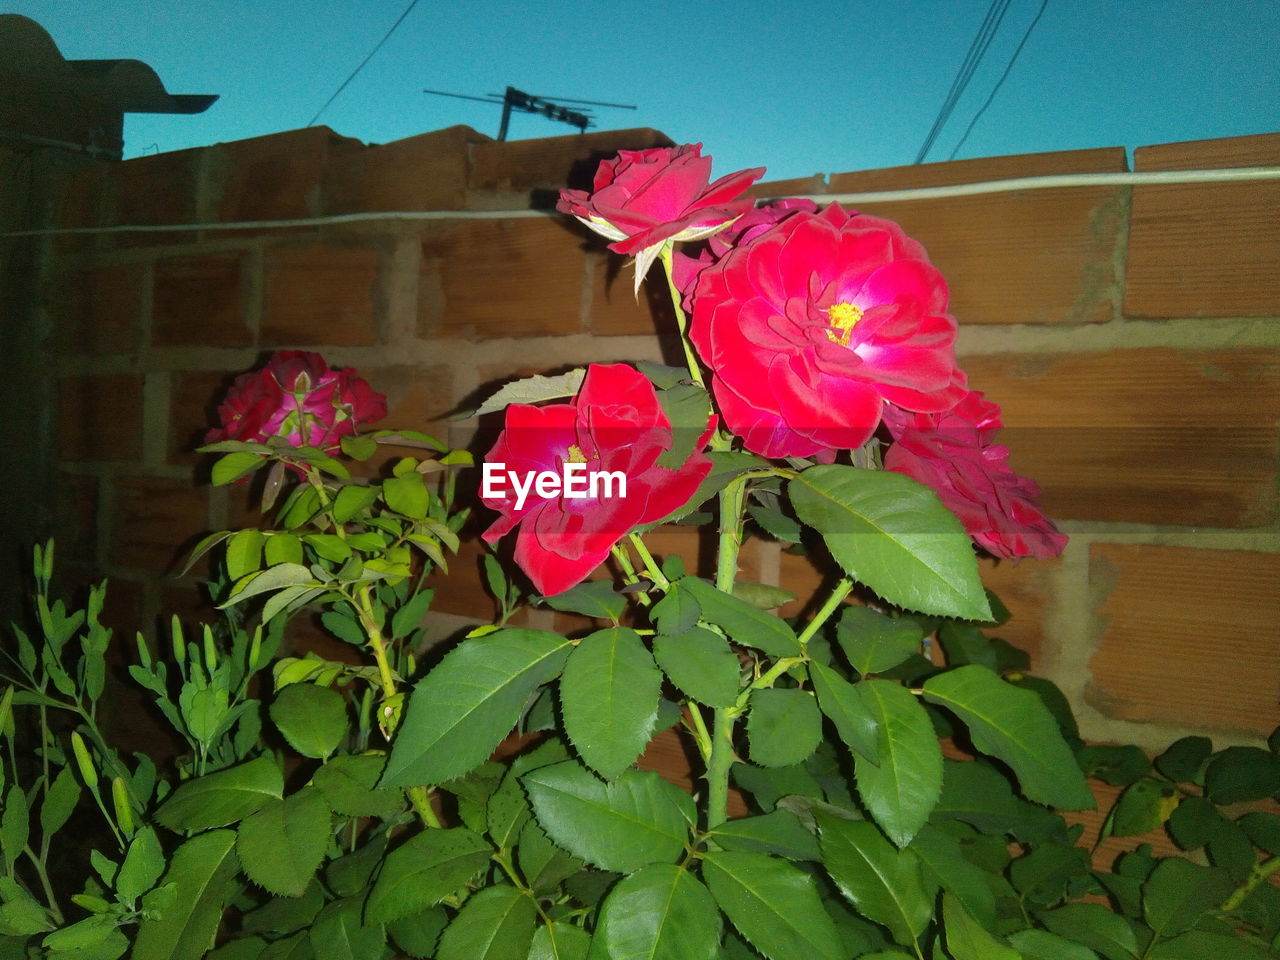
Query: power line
x=999, y=83
x=342, y=86
x=977, y=50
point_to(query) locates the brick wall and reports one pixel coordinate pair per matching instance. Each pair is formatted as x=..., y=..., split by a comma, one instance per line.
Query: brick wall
x=1131, y=336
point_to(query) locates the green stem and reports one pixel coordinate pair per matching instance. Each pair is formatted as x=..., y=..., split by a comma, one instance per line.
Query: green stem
x=1257, y=876
x=832, y=603
x=732, y=499
x=420, y=797
x=369, y=622
x=629, y=574
x=650, y=565
x=695, y=372
x=43, y=874
x=700, y=734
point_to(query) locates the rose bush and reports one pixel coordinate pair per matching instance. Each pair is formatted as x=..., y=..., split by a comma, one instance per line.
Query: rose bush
x=614, y=424
x=298, y=398
x=810, y=326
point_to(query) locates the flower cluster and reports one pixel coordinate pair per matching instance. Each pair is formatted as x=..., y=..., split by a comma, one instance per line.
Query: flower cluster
x=299, y=398
x=817, y=327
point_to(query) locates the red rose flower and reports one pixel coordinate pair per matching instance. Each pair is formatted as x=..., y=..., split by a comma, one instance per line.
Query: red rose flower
x=810, y=326
x=954, y=453
x=298, y=397
x=614, y=426
x=643, y=198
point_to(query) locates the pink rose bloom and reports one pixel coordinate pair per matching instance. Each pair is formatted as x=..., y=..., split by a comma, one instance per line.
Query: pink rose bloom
x=810, y=326
x=298, y=397
x=955, y=454
x=614, y=424
x=643, y=198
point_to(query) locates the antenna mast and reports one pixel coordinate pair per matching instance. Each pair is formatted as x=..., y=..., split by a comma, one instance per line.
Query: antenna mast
x=515, y=99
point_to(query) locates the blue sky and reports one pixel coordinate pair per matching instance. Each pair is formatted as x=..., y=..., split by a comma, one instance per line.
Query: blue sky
x=799, y=87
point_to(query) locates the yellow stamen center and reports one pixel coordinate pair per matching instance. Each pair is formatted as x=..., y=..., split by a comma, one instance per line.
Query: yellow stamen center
x=576, y=455
x=844, y=316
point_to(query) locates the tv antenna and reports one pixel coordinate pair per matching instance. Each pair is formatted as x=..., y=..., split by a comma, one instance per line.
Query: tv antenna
x=515, y=99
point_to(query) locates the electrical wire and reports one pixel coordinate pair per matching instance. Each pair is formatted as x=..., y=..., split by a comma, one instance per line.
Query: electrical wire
x=999, y=83
x=1053, y=181
x=342, y=86
x=977, y=51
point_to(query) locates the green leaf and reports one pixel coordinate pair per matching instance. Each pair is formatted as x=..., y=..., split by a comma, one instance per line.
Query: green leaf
x=359, y=448
x=678, y=611
x=559, y=941
x=660, y=913
x=407, y=495
x=281, y=846
x=349, y=784
x=743, y=623
x=284, y=915
x=688, y=408
x=701, y=663
x=609, y=699
x=495, y=924
x=975, y=793
x=776, y=523
x=1242, y=774
x=1185, y=758
x=217, y=799
x=844, y=704
x=424, y=870
x=885, y=884
x=273, y=578
x=967, y=939
x=244, y=553
x=534, y=389
x=594, y=598
x=79, y=939
x=1042, y=945
x=1263, y=831
x=1178, y=893
x=350, y=501
x=203, y=872
x=893, y=534
x=59, y=803
x=233, y=466
x=15, y=825
x=875, y=643
x=544, y=865
x=418, y=934
x=460, y=711
x=621, y=825
x=313, y=719
x=762, y=596
x=725, y=466
x=1116, y=765
x=783, y=727
x=1096, y=927
x=779, y=833
x=774, y=905
x=904, y=784
x=142, y=865
x=1205, y=945
x=351, y=875
x=339, y=934
x=409, y=617
x=945, y=865
x=1048, y=873
x=282, y=548
x=1194, y=822
x=1141, y=808
x=1014, y=726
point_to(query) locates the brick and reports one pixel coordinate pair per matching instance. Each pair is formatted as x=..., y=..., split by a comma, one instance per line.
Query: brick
x=193, y=411
x=157, y=522
x=504, y=278
x=426, y=172
x=320, y=294
x=1026, y=589
x=417, y=399
x=100, y=417
x=1032, y=256
x=551, y=163
x=100, y=310
x=1205, y=250
x=615, y=310
x=77, y=507
x=200, y=301
x=190, y=603
x=1142, y=436
x=156, y=189
x=795, y=187
x=1186, y=636
x=276, y=177
x=80, y=202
